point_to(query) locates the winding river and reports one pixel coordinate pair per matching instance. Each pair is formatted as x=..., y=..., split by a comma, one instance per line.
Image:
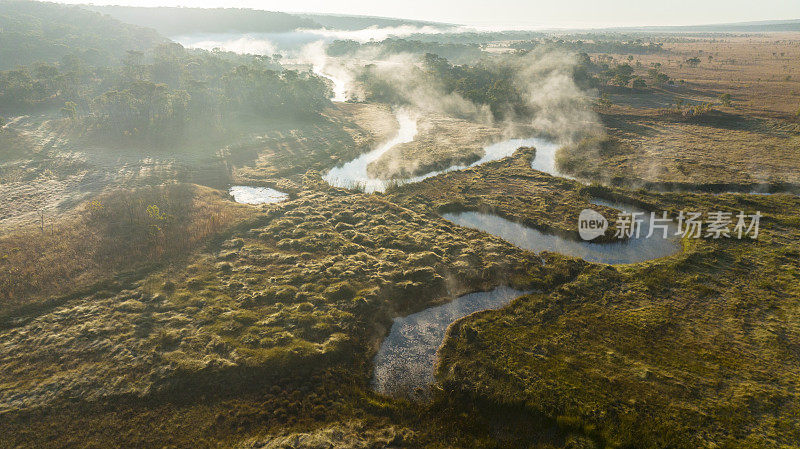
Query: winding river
x=406, y=359
x=636, y=249
x=353, y=174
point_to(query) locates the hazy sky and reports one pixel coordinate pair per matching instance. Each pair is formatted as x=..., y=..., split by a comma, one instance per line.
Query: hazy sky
x=523, y=13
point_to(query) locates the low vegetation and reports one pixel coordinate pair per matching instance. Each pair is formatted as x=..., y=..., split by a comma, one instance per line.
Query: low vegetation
x=647, y=354
x=509, y=188
x=141, y=309
x=121, y=231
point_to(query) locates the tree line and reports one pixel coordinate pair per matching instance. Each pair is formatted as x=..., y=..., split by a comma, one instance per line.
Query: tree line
x=32, y=32
x=155, y=94
x=124, y=82
x=390, y=46
x=493, y=82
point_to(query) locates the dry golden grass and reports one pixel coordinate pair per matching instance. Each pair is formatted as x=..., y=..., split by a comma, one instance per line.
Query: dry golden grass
x=718, y=149
x=122, y=230
x=753, y=141
x=761, y=72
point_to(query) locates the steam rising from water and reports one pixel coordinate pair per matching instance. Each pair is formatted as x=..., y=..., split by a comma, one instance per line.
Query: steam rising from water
x=243, y=44
x=561, y=108
x=377, y=33
x=287, y=42
x=354, y=173
x=543, y=77
x=303, y=48
x=327, y=67
x=492, y=152
x=414, y=88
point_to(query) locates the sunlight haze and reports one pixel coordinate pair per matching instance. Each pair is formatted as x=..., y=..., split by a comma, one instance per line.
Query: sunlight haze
x=524, y=14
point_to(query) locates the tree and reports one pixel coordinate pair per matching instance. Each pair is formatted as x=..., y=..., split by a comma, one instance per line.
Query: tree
x=657, y=77
x=70, y=110
x=725, y=99
x=693, y=62
x=622, y=74
x=639, y=83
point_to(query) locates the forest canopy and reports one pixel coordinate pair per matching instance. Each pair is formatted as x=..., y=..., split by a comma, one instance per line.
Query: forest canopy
x=122, y=81
x=172, y=21
x=46, y=32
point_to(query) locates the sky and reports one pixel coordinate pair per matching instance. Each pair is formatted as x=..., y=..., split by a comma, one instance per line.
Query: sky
x=521, y=13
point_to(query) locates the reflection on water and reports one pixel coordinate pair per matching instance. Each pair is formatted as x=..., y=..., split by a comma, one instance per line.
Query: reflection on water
x=545, y=158
x=493, y=152
x=256, y=195
x=407, y=356
x=354, y=173
x=631, y=251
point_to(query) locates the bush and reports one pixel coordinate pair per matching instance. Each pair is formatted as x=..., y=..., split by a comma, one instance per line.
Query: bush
x=341, y=291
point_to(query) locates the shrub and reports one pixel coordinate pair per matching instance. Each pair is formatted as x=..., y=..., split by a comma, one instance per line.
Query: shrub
x=340, y=292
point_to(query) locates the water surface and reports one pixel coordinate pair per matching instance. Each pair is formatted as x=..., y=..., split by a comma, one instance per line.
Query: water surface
x=256, y=195
x=407, y=357
x=353, y=174
x=632, y=250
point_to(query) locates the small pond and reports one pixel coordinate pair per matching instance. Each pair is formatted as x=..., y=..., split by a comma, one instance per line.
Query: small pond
x=256, y=195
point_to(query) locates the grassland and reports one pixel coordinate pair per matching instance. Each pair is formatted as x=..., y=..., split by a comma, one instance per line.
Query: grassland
x=237, y=326
x=750, y=143
x=292, y=302
x=509, y=188
x=645, y=355
x=126, y=231
x=266, y=336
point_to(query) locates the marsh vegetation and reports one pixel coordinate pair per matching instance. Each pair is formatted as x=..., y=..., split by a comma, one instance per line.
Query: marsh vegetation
x=202, y=245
